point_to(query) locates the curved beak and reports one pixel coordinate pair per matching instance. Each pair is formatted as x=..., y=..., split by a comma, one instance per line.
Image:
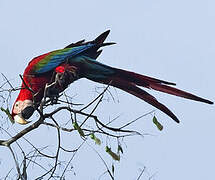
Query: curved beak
x=19, y=119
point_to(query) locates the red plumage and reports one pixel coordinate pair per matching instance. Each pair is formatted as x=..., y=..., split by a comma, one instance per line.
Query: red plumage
x=83, y=64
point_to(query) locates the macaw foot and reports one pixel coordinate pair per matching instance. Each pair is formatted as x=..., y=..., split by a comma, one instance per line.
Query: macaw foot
x=53, y=94
x=64, y=76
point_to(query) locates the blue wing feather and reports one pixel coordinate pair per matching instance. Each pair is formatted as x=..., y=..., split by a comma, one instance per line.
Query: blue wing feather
x=58, y=57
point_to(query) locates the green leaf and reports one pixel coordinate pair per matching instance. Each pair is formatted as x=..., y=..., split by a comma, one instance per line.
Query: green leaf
x=78, y=128
x=7, y=112
x=97, y=140
x=92, y=136
x=112, y=154
x=158, y=124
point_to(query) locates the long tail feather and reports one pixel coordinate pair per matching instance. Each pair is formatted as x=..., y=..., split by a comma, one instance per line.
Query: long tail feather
x=128, y=81
x=138, y=79
x=178, y=92
x=158, y=85
x=134, y=90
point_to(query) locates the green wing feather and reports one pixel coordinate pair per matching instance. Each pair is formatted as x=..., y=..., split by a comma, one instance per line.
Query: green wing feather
x=50, y=61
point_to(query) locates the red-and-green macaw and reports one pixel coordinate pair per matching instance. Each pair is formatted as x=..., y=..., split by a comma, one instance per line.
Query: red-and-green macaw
x=80, y=59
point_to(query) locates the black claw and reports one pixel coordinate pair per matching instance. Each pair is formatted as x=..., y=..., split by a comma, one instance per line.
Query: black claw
x=53, y=100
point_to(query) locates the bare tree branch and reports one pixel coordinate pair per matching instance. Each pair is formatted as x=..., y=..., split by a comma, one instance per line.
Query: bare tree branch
x=82, y=116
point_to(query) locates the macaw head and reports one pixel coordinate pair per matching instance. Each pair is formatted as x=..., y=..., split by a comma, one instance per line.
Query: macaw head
x=22, y=110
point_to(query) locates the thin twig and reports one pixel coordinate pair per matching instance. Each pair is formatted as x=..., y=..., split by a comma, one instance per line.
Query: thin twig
x=137, y=119
x=45, y=155
x=102, y=161
x=141, y=173
x=26, y=86
x=101, y=94
x=100, y=100
x=16, y=163
x=61, y=178
x=58, y=148
x=7, y=81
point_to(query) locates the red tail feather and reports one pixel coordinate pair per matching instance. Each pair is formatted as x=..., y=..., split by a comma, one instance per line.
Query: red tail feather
x=134, y=90
x=139, y=79
x=128, y=81
x=178, y=92
x=157, y=84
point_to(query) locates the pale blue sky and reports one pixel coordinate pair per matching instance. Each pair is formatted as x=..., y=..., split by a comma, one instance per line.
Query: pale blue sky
x=171, y=40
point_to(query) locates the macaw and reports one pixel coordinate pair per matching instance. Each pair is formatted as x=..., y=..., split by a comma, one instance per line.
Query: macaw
x=78, y=60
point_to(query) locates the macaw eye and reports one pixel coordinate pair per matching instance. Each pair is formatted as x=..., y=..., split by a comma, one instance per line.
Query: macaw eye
x=27, y=112
x=17, y=104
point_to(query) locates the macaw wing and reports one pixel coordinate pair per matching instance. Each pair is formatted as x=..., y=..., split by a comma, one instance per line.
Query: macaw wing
x=50, y=61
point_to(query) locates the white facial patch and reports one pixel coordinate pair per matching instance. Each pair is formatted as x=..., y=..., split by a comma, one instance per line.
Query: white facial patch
x=20, y=105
